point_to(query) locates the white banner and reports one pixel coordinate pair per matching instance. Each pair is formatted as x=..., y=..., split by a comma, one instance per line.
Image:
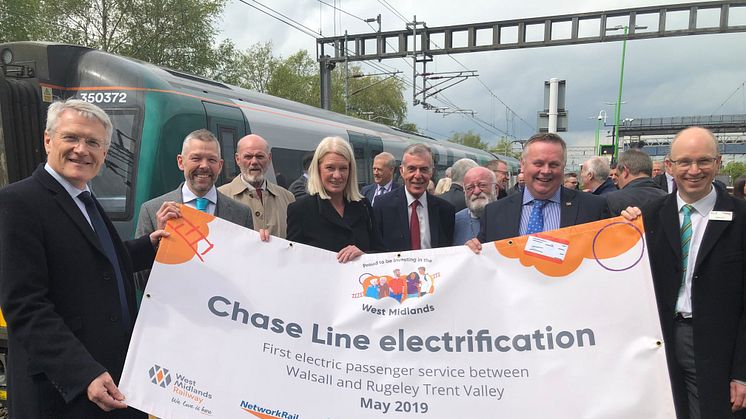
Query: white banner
x=560, y=325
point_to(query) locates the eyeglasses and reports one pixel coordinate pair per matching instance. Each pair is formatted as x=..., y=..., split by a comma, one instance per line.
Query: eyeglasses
x=74, y=140
x=481, y=185
x=703, y=163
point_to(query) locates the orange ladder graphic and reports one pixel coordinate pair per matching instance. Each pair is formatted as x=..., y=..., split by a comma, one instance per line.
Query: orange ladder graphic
x=192, y=236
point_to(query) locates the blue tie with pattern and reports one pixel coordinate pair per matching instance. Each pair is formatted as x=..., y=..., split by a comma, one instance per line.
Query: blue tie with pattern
x=536, y=219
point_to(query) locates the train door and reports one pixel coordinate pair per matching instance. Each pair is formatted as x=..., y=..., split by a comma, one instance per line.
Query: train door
x=229, y=125
x=365, y=147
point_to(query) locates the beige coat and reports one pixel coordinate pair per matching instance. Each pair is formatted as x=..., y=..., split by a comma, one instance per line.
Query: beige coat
x=272, y=213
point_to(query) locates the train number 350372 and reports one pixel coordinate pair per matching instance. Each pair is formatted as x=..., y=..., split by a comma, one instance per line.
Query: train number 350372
x=104, y=97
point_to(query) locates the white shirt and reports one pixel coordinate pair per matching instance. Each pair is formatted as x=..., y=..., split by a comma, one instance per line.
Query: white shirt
x=670, y=182
x=382, y=189
x=699, y=217
x=190, y=198
x=422, y=216
x=72, y=190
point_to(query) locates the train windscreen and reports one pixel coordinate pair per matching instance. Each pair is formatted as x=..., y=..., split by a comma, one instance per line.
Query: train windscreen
x=113, y=184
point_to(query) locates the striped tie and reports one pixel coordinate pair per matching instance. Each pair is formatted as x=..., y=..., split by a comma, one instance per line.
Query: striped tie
x=686, y=238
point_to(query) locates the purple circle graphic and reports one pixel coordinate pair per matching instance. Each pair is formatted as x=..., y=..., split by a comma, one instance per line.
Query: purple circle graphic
x=642, y=251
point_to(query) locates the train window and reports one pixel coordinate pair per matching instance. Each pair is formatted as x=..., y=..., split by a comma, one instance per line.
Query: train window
x=227, y=138
x=113, y=184
x=288, y=164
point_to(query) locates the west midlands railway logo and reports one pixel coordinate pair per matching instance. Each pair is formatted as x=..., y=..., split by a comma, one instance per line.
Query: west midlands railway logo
x=159, y=376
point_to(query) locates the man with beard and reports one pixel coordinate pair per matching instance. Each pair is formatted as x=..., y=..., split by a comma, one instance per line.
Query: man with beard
x=479, y=191
x=268, y=201
x=544, y=204
x=201, y=163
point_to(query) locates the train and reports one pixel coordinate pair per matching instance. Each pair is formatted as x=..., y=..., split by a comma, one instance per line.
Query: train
x=153, y=108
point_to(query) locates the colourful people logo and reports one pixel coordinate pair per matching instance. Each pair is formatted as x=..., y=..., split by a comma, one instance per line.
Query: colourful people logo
x=397, y=286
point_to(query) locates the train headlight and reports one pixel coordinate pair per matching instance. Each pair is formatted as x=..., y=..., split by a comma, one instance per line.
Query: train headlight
x=6, y=56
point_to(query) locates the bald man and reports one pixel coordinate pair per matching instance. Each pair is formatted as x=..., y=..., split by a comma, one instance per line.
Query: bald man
x=268, y=201
x=697, y=242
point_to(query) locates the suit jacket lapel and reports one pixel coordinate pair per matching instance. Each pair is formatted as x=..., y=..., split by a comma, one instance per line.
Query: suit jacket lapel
x=402, y=213
x=434, y=220
x=327, y=211
x=669, y=222
x=512, y=215
x=69, y=206
x=568, y=207
x=714, y=228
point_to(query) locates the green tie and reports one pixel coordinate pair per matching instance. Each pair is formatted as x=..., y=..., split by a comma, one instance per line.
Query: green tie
x=686, y=239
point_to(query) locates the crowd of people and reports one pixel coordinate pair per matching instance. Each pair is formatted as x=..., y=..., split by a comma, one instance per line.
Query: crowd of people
x=70, y=306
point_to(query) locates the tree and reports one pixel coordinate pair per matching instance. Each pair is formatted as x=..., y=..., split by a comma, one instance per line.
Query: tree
x=172, y=33
x=251, y=69
x=410, y=127
x=469, y=139
x=296, y=78
x=505, y=147
x=378, y=98
x=734, y=169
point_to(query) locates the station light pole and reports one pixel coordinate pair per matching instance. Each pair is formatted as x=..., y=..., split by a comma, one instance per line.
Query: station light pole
x=601, y=119
x=618, y=108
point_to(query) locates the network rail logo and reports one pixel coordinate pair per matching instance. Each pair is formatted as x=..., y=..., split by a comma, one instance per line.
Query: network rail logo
x=266, y=413
x=159, y=376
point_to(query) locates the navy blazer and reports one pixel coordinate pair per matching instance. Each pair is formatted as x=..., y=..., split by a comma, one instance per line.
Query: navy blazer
x=502, y=219
x=393, y=221
x=718, y=299
x=59, y=295
x=315, y=222
x=369, y=191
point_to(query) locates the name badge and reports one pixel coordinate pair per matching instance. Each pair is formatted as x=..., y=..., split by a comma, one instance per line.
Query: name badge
x=553, y=250
x=720, y=216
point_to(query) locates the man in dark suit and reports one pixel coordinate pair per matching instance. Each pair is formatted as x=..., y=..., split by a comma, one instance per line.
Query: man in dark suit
x=697, y=242
x=298, y=187
x=544, y=204
x=455, y=195
x=409, y=218
x=636, y=188
x=383, y=177
x=66, y=285
x=665, y=179
x=595, y=176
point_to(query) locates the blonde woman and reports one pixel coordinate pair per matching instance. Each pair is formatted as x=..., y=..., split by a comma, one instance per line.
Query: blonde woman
x=444, y=184
x=334, y=216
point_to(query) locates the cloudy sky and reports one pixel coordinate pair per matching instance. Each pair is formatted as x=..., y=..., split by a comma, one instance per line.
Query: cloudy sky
x=679, y=76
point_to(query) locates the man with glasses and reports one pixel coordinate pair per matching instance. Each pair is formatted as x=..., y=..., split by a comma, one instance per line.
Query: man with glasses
x=544, y=204
x=500, y=169
x=697, y=242
x=268, y=201
x=479, y=190
x=66, y=286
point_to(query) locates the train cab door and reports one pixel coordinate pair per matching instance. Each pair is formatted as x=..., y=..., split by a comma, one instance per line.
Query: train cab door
x=229, y=125
x=366, y=148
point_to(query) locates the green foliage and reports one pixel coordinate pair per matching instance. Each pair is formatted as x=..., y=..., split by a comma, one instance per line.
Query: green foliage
x=734, y=169
x=505, y=147
x=410, y=126
x=469, y=139
x=172, y=33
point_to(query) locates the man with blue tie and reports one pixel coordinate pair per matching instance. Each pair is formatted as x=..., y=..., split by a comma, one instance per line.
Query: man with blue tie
x=383, y=177
x=66, y=286
x=201, y=163
x=544, y=204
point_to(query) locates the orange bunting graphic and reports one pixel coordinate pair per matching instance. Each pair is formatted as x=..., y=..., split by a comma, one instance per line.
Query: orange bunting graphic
x=598, y=240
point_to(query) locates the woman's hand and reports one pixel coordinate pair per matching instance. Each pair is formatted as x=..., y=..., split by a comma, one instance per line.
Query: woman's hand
x=349, y=253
